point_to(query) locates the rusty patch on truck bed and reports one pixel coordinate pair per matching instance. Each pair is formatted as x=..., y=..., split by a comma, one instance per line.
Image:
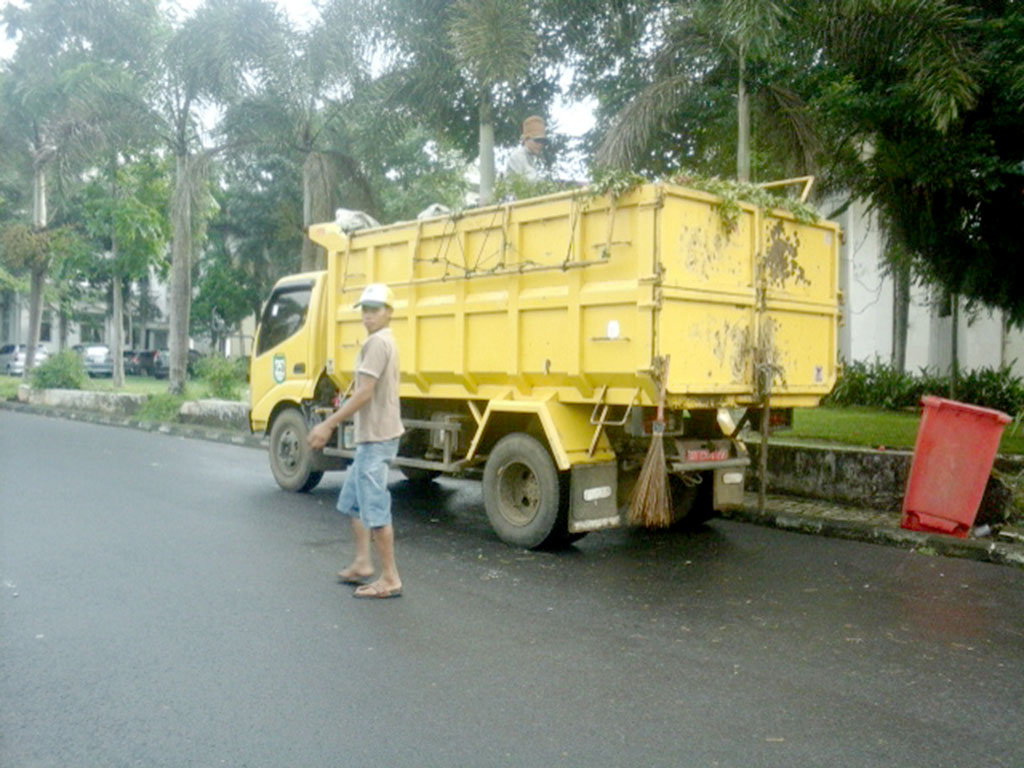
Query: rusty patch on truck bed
x=735, y=339
x=700, y=246
x=780, y=257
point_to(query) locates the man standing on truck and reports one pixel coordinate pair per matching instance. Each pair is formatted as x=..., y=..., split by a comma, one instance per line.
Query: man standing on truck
x=374, y=407
x=525, y=159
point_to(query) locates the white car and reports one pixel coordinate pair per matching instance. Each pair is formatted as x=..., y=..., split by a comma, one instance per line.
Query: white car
x=12, y=358
x=96, y=359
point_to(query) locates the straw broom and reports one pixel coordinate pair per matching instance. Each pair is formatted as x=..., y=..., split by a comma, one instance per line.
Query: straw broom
x=650, y=505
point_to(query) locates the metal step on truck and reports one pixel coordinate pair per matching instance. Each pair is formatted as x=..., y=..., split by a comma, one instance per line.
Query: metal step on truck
x=538, y=337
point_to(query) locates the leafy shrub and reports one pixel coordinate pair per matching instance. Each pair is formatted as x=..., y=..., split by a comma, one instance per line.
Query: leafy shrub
x=993, y=388
x=875, y=384
x=880, y=385
x=61, y=371
x=222, y=377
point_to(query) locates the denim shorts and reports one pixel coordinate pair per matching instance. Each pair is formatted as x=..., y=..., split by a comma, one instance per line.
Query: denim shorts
x=364, y=493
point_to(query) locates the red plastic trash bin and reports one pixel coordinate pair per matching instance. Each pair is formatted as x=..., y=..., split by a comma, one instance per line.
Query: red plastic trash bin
x=956, y=445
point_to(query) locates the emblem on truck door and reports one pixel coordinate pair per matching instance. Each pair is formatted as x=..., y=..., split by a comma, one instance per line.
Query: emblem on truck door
x=278, y=369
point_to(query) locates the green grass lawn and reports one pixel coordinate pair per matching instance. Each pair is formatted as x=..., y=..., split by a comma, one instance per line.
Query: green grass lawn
x=872, y=427
x=138, y=385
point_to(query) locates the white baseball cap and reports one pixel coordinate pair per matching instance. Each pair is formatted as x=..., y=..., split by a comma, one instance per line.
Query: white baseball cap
x=376, y=295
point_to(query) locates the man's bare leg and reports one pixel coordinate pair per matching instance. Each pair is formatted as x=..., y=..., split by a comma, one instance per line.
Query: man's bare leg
x=362, y=566
x=389, y=582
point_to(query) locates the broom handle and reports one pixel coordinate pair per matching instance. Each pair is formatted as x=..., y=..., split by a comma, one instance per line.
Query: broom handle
x=662, y=387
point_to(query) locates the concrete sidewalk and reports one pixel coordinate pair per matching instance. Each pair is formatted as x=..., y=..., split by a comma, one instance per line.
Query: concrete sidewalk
x=790, y=513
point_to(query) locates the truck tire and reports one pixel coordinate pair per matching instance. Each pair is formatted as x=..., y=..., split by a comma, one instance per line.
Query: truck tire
x=693, y=505
x=291, y=459
x=524, y=497
x=419, y=476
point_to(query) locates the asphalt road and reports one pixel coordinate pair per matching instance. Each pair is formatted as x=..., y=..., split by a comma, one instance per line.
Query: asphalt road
x=164, y=604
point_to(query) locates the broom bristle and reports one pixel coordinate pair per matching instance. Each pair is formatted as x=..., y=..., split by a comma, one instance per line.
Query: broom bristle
x=651, y=501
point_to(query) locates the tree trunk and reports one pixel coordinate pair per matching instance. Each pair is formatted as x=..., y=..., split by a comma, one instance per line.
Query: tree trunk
x=954, y=367
x=901, y=314
x=319, y=178
x=38, y=271
x=487, y=172
x=181, y=272
x=743, y=119
x=117, y=323
x=35, y=313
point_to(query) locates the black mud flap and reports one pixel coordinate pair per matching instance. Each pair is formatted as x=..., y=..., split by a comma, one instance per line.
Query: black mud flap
x=593, y=490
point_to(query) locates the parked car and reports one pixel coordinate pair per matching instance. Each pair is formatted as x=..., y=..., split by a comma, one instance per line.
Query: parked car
x=96, y=359
x=12, y=358
x=162, y=363
x=141, y=362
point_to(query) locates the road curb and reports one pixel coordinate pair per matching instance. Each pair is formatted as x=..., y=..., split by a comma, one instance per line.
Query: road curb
x=196, y=431
x=842, y=523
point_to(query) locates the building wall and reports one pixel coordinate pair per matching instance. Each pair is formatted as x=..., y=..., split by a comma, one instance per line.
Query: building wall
x=866, y=333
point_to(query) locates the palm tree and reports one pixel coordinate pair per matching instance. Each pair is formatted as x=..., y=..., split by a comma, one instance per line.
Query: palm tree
x=209, y=60
x=706, y=46
x=781, y=51
x=59, y=96
x=309, y=82
x=494, y=42
x=455, y=67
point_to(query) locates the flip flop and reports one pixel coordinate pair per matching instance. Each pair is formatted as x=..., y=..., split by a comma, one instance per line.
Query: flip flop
x=353, y=579
x=376, y=592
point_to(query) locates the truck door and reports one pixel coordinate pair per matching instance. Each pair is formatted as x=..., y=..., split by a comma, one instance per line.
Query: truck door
x=282, y=349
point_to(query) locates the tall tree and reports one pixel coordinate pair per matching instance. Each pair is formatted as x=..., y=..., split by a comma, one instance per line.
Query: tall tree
x=210, y=60
x=925, y=109
x=422, y=78
x=711, y=64
x=255, y=238
x=301, y=111
x=59, y=93
x=123, y=211
x=494, y=42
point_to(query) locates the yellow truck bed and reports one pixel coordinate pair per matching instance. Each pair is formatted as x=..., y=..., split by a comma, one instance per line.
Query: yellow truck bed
x=574, y=296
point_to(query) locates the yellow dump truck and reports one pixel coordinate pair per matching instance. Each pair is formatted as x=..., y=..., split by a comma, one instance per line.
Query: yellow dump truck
x=538, y=337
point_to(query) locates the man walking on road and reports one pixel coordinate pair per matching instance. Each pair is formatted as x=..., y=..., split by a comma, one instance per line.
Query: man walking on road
x=374, y=406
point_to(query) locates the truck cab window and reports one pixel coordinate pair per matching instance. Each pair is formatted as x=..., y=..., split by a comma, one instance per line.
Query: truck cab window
x=283, y=316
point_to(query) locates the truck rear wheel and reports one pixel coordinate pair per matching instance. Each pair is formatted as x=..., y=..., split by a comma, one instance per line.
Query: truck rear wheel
x=693, y=505
x=523, y=493
x=291, y=458
x=418, y=475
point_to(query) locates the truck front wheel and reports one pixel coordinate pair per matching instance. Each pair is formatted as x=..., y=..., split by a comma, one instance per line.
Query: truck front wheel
x=291, y=459
x=523, y=494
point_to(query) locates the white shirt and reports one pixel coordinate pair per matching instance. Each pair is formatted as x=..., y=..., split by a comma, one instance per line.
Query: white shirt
x=523, y=163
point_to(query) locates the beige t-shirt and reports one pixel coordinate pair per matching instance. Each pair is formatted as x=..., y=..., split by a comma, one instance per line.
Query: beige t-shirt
x=380, y=419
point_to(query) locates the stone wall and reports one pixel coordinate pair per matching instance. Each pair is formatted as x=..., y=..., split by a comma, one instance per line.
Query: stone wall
x=867, y=478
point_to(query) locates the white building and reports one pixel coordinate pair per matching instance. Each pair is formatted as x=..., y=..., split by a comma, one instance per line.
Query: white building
x=983, y=339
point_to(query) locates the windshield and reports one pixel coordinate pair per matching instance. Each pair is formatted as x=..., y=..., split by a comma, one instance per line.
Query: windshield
x=284, y=315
